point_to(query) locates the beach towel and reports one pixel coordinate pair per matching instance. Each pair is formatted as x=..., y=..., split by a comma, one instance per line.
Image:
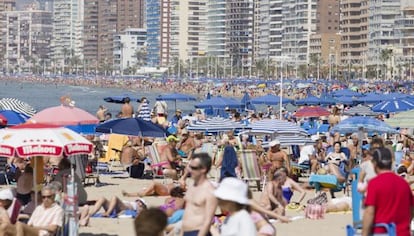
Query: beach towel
x=176, y=216
x=229, y=163
x=115, y=142
x=325, y=181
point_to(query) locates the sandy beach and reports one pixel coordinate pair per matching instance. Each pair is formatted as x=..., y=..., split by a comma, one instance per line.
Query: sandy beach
x=333, y=224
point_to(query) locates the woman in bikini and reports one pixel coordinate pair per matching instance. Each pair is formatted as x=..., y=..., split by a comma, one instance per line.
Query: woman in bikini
x=334, y=160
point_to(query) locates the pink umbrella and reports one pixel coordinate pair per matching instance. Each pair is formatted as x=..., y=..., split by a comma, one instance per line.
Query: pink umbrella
x=64, y=115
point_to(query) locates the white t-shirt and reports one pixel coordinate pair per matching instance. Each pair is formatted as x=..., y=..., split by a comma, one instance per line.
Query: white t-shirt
x=239, y=224
x=306, y=152
x=45, y=217
x=369, y=170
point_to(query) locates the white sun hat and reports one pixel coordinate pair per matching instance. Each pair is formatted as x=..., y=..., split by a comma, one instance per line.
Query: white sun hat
x=6, y=194
x=274, y=143
x=232, y=189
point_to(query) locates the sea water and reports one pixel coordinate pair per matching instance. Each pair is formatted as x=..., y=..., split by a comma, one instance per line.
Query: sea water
x=41, y=96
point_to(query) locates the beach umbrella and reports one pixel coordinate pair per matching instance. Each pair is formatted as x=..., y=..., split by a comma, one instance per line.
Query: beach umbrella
x=214, y=125
x=395, y=105
x=291, y=108
x=219, y=102
x=131, y=126
x=175, y=97
x=346, y=93
x=276, y=127
x=312, y=100
x=71, y=117
x=29, y=140
x=403, y=119
x=345, y=100
x=360, y=110
x=368, y=124
x=13, y=117
x=64, y=115
x=312, y=111
x=120, y=98
x=270, y=99
x=17, y=106
x=39, y=140
x=370, y=98
x=394, y=95
x=246, y=101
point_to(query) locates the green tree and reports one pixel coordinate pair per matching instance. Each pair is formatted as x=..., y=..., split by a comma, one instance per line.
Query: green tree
x=385, y=56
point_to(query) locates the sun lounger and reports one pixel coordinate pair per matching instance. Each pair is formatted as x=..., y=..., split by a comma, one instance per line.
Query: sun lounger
x=153, y=152
x=250, y=167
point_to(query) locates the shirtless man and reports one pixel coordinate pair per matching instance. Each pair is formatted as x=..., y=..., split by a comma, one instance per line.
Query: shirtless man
x=100, y=114
x=272, y=197
x=200, y=201
x=354, y=150
x=187, y=142
x=277, y=157
x=127, y=110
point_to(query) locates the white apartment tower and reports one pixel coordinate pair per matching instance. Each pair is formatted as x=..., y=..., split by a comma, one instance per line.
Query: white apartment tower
x=67, y=32
x=275, y=28
x=298, y=22
x=381, y=23
x=216, y=28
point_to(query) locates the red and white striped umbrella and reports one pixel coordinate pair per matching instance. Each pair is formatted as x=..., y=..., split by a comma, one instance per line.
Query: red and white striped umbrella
x=29, y=140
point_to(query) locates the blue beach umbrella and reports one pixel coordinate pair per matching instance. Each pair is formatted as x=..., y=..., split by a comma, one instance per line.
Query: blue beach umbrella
x=310, y=101
x=270, y=100
x=175, y=97
x=120, y=98
x=346, y=93
x=246, y=101
x=13, y=117
x=131, y=126
x=345, y=100
x=371, y=98
x=394, y=105
x=370, y=125
x=219, y=102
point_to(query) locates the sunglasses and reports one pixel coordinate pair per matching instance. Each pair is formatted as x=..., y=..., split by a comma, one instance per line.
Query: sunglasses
x=195, y=167
x=48, y=196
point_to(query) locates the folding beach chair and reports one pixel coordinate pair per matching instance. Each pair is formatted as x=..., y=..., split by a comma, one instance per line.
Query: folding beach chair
x=250, y=167
x=356, y=226
x=153, y=152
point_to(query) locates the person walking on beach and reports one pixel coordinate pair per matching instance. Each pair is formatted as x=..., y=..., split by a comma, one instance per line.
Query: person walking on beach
x=389, y=198
x=144, y=112
x=127, y=110
x=201, y=203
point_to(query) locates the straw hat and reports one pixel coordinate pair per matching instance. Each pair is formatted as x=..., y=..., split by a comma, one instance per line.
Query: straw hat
x=232, y=189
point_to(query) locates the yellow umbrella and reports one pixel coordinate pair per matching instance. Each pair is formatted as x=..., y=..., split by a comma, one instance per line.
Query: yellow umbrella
x=261, y=86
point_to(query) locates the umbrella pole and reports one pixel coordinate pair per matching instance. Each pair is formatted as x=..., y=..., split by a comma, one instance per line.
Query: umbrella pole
x=35, y=179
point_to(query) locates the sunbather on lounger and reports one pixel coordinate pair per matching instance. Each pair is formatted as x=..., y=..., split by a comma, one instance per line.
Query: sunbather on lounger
x=117, y=207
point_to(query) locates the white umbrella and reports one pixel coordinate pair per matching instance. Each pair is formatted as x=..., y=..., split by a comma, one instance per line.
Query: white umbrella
x=216, y=124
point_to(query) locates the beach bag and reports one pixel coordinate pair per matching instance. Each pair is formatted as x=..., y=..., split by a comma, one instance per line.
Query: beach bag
x=315, y=211
x=315, y=208
x=136, y=171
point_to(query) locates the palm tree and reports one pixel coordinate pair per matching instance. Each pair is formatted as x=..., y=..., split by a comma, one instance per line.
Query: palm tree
x=141, y=56
x=385, y=56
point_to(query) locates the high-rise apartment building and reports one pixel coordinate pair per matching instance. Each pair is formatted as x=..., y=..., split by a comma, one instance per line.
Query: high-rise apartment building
x=67, y=41
x=130, y=14
x=126, y=48
x=5, y=5
x=102, y=21
x=354, y=32
x=404, y=34
x=298, y=22
x=216, y=29
x=27, y=38
x=275, y=29
x=192, y=41
x=239, y=33
x=325, y=43
x=381, y=23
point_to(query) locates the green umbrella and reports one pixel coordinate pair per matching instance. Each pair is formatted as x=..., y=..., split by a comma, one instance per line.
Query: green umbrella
x=402, y=120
